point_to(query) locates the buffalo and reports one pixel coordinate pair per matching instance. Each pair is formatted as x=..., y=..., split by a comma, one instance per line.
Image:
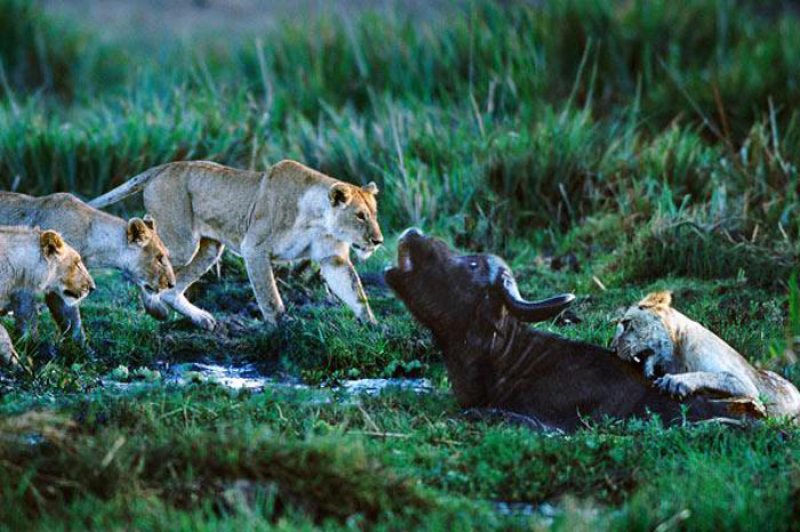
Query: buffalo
x=473, y=307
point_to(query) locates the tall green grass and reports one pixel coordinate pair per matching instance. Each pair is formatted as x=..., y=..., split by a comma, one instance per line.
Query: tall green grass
x=507, y=123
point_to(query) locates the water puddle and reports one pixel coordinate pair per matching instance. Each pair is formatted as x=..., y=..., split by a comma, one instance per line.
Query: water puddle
x=524, y=509
x=249, y=377
x=546, y=513
x=376, y=386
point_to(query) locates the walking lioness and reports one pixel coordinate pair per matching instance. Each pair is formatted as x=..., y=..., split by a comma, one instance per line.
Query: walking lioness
x=685, y=358
x=31, y=262
x=288, y=212
x=103, y=240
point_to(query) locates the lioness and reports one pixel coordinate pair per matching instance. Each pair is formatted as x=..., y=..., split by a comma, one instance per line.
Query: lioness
x=288, y=212
x=31, y=262
x=103, y=240
x=685, y=358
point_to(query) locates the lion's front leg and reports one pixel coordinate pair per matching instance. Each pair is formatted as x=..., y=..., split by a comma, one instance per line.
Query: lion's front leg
x=154, y=306
x=341, y=276
x=67, y=317
x=7, y=351
x=723, y=383
x=207, y=252
x=23, y=304
x=262, y=279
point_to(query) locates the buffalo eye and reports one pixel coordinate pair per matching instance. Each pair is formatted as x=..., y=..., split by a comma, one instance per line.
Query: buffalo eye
x=473, y=265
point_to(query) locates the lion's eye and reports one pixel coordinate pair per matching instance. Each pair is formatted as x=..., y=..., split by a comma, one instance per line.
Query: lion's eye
x=361, y=216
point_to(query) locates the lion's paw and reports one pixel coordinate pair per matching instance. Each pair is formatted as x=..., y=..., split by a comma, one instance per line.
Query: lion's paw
x=674, y=385
x=204, y=320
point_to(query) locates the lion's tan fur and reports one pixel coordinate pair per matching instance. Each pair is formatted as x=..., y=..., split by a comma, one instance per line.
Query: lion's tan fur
x=33, y=261
x=694, y=359
x=103, y=240
x=288, y=212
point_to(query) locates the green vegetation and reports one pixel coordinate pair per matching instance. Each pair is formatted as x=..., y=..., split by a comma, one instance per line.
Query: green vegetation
x=609, y=148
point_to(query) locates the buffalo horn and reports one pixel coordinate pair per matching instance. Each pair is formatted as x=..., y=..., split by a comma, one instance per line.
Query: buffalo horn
x=529, y=311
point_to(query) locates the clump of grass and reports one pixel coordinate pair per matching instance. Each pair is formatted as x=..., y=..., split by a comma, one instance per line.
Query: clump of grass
x=550, y=176
x=686, y=246
x=327, y=343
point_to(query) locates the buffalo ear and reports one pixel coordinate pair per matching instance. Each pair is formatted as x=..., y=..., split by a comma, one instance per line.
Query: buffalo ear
x=138, y=232
x=51, y=243
x=149, y=222
x=339, y=194
x=370, y=188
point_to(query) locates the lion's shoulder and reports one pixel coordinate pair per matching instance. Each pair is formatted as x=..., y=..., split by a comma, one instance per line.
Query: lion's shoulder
x=20, y=251
x=288, y=171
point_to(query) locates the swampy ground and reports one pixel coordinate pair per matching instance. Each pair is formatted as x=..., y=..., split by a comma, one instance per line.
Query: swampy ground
x=604, y=148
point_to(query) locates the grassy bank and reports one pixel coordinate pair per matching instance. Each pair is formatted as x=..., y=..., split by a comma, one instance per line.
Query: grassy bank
x=607, y=148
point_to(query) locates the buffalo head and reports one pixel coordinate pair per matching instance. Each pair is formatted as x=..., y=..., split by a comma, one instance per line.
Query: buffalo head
x=448, y=292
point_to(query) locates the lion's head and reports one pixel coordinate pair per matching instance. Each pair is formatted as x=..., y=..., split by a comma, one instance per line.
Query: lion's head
x=354, y=217
x=149, y=264
x=67, y=274
x=643, y=336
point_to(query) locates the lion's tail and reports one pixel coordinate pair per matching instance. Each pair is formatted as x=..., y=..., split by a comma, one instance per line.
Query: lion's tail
x=130, y=187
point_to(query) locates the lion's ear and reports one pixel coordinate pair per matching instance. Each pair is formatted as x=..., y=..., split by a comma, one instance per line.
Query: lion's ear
x=339, y=194
x=149, y=222
x=657, y=300
x=51, y=243
x=370, y=188
x=138, y=232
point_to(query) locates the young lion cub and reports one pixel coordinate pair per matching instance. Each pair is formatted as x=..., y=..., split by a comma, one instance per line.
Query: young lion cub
x=32, y=262
x=685, y=358
x=287, y=213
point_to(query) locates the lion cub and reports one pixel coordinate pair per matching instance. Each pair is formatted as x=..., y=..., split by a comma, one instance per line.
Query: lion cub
x=287, y=213
x=685, y=358
x=33, y=262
